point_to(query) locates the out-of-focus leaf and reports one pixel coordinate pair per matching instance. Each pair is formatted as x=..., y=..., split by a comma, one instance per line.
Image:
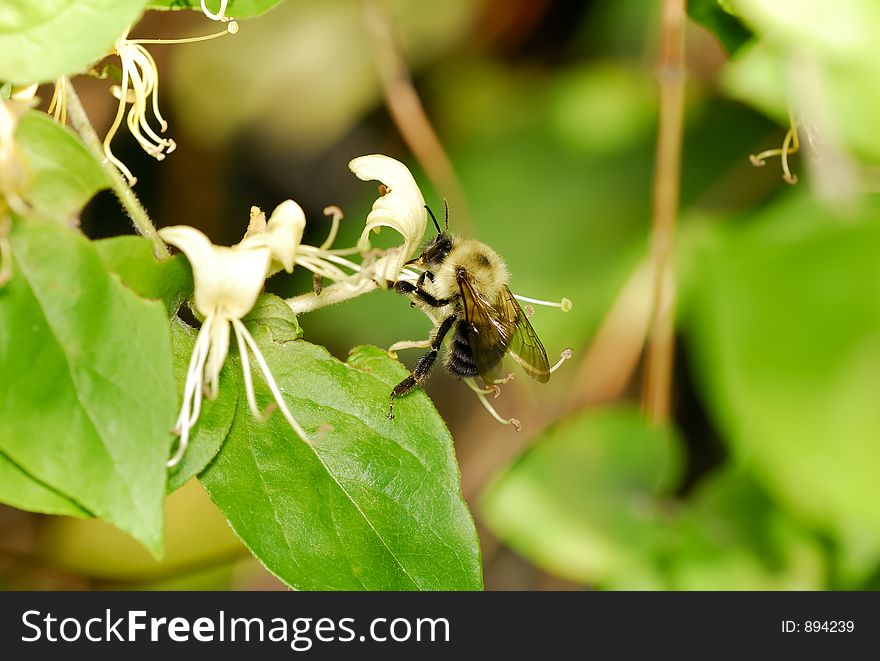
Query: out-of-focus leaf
x=271, y=78
x=820, y=58
x=197, y=537
x=728, y=28
x=88, y=394
x=132, y=259
x=784, y=321
x=63, y=175
x=40, y=41
x=583, y=503
x=731, y=536
x=21, y=490
x=234, y=8
x=371, y=503
x=603, y=108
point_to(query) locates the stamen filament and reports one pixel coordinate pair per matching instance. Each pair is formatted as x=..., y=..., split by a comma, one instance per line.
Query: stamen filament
x=231, y=28
x=191, y=394
x=790, y=145
x=565, y=355
x=564, y=304
x=270, y=380
x=334, y=228
x=491, y=409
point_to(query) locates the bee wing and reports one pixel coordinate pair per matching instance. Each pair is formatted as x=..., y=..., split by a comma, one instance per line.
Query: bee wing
x=489, y=330
x=525, y=347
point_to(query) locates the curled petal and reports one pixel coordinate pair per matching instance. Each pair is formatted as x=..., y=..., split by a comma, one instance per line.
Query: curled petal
x=282, y=235
x=227, y=280
x=401, y=207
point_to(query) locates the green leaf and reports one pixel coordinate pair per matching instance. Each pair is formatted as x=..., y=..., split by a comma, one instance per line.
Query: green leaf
x=216, y=416
x=132, y=259
x=784, y=323
x=728, y=28
x=371, y=503
x=583, y=503
x=88, y=391
x=731, y=535
x=234, y=8
x=63, y=174
x=819, y=57
x=21, y=490
x=40, y=41
x=273, y=316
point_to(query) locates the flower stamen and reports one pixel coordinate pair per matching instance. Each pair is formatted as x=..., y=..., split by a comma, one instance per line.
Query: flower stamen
x=790, y=145
x=58, y=105
x=565, y=304
x=481, y=395
x=270, y=380
x=565, y=355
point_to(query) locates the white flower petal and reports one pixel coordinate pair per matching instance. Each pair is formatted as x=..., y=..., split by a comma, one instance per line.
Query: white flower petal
x=227, y=280
x=282, y=235
x=402, y=207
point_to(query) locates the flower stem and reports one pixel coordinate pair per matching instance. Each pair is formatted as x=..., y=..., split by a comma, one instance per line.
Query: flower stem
x=656, y=399
x=129, y=200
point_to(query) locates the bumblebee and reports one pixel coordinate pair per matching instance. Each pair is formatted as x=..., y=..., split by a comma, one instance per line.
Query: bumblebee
x=466, y=283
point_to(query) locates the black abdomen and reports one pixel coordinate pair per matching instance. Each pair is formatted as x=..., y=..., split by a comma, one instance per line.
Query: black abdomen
x=460, y=359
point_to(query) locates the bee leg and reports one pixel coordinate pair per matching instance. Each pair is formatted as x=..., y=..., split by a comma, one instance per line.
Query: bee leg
x=404, y=287
x=423, y=366
x=421, y=281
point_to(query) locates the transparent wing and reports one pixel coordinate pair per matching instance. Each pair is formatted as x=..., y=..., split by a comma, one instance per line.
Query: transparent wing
x=489, y=330
x=525, y=347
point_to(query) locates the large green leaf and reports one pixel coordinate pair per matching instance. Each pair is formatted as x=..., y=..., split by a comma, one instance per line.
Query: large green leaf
x=132, y=259
x=234, y=8
x=88, y=395
x=63, y=175
x=371, y=503
x=784, y=323
x=21, y=490
x=583, y=501
x=40, y=41
x=730, y=535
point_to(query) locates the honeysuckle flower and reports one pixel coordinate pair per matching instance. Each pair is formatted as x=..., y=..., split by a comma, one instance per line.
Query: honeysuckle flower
x=400, y=207
x=14, y=170
x=227, y=282
x=140, y=88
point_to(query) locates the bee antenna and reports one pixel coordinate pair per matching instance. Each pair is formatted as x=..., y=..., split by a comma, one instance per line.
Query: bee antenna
x=436, y=224
x=446, y=205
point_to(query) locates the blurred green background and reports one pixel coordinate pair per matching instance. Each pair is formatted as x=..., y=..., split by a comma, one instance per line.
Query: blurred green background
x=766, y=478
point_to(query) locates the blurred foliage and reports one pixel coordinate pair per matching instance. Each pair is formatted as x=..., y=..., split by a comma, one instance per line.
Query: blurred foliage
x=764, y=479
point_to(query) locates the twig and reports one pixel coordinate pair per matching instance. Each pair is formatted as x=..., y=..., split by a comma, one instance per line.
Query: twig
x=129, y=200
x=409, y=114
x=658, y=380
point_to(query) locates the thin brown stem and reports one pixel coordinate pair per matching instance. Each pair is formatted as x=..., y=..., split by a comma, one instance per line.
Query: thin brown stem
x=409, y=114
x=130, y=202
x=656, y=399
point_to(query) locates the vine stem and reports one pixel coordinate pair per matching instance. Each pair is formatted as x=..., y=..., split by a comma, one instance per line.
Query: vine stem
x=409, y=114
x=130, y=202
x=656, y=397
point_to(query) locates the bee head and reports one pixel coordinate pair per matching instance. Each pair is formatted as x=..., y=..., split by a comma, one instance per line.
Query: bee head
x=436, y=250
